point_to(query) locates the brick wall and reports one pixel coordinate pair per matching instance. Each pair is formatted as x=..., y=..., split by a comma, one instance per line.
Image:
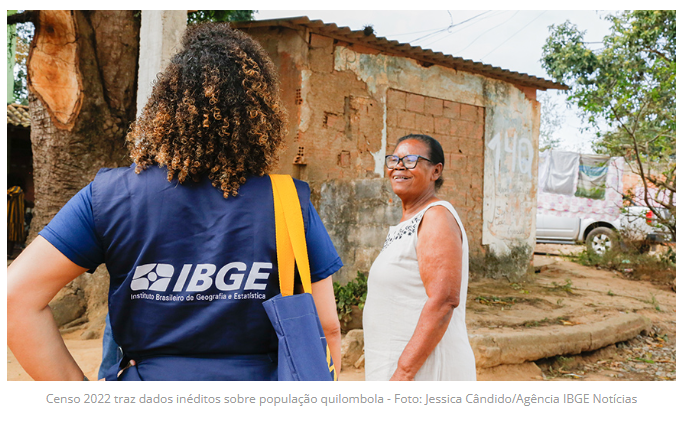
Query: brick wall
x=460, y=130
x=337, y=121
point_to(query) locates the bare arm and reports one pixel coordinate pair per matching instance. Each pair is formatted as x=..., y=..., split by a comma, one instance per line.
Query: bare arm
x=324, y=299
x=33, y=279
x=439, y=252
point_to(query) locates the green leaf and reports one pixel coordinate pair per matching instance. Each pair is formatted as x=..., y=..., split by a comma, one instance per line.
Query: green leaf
x=626, y=90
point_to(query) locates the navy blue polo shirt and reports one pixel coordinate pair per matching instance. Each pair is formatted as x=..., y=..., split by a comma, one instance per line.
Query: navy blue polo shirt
x=189, y=269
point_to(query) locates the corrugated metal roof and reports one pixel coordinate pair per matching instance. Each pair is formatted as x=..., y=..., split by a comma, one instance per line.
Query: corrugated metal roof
x=380, y=43
x=18, y=115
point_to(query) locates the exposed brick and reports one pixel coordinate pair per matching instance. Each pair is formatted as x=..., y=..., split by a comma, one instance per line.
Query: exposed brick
x=433, y=106
x=394, y=133
x=479, y=130
x=391, y=118
x=477, y=146
x=460, y=198
x=359, y=103
x=460, y=147
x=390, y=146
x=481, y=114
x=364, y=49
x=477, y=165
x=335, y=122
x=344, y=159
x=442, y=125
x=406, y=120
x=477, y=186
x=447, y=191
x=449, y=143
x=340, y=139
x=462, y=128
x=450, y=183
x=470, y=167
x=319, y=41
x=367, y=162
x=335, y=174
x=468, y=112
x=397, y=99
x=467, y=147
x=449, y=178
x=457, y=161
x=416, y=103
x=450, y=109
x=363, y=143
x=478, y=190
x=321, y=60
x=424, y=123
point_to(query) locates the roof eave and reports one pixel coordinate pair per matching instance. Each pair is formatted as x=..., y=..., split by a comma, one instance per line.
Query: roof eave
x=417, y=53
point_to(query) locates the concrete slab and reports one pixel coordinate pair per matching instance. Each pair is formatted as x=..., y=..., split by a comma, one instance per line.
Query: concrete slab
x=517, y=347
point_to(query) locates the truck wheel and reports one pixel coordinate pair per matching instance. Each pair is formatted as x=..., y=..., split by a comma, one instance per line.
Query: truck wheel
x=600, y=240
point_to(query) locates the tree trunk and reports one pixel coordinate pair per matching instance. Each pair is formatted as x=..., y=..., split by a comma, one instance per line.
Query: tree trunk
x=82, y=87
x=82, y=81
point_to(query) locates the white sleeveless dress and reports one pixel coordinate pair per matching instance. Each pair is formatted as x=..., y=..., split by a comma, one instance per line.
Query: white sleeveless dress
x=396, y=295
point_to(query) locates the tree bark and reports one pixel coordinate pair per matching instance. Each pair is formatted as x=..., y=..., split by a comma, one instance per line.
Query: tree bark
x=23, y=17
x=71, y=143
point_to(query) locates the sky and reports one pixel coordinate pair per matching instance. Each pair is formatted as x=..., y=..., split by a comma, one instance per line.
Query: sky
x=510, y=39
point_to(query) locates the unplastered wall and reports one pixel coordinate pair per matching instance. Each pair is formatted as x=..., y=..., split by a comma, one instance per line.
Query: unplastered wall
x=488, y=129
x=395, y=96
x=349, y=106
x=287, y=48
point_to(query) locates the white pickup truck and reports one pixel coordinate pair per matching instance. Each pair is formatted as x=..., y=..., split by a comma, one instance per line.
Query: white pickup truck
x=580, y=201
x=636, y=224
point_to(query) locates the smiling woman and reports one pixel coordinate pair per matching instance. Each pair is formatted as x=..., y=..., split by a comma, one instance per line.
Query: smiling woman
x=414, y=316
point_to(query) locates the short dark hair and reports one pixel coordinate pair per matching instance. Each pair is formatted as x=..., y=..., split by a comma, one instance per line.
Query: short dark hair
x=435, y=152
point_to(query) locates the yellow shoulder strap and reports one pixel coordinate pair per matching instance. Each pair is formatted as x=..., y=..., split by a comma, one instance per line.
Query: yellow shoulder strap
x=291, y=245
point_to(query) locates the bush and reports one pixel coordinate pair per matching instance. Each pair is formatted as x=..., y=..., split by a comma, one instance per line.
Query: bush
x=632, y=263
x=351, y=294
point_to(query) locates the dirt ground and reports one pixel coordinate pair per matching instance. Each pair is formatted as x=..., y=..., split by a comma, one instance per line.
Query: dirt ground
x=565, y=293
x=562, y=293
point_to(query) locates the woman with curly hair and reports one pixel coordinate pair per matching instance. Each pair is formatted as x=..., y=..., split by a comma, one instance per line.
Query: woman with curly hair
x=187, y=232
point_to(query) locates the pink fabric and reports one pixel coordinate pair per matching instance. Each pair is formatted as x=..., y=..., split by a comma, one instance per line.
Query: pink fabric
x=572, y=206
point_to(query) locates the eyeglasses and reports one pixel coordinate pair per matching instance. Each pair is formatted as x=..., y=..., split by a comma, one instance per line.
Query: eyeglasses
x=409, y=161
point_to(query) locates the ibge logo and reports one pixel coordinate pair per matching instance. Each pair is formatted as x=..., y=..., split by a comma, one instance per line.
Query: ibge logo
x=147, y=277
x=229, y=278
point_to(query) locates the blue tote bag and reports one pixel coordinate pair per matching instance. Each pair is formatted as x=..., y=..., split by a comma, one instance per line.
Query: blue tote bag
x=303, y=352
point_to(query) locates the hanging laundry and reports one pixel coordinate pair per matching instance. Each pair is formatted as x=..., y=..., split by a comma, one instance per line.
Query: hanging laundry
x=592, y=177
x=562, y=173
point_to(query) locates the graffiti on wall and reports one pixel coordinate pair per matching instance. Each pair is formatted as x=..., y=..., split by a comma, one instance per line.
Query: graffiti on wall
x=511, y=157
x=518, y=151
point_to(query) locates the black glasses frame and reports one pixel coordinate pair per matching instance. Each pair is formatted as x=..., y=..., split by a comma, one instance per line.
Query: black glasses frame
x=407, y=164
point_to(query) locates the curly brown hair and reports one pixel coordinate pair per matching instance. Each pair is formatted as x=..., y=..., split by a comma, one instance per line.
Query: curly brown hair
x=215, y=111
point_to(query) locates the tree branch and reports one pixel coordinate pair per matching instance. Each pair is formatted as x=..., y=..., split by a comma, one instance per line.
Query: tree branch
x=659, y=53
x=639, y=161
x=636, y=121
x=23, y=17
x=667, y=205
x=659, y=183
